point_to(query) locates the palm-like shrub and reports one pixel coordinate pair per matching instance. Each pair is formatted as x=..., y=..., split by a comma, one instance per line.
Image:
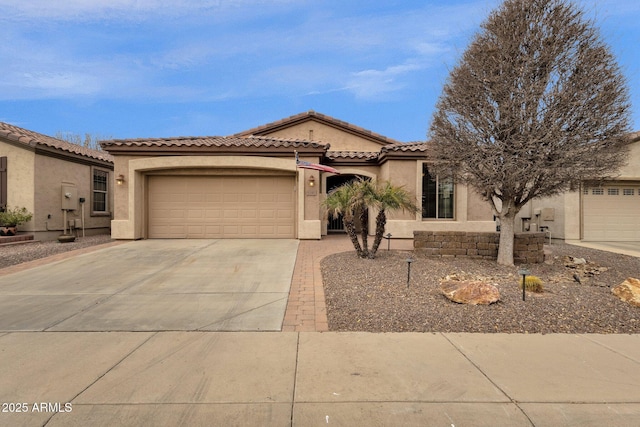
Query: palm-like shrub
x=354, y=200
x=387, y=197
x=346, y=201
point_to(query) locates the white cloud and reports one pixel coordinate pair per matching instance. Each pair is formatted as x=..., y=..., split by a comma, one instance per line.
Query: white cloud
x=373, y=84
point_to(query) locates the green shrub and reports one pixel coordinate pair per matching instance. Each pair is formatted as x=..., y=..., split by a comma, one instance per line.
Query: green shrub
x=15, y=216
x=532, y=284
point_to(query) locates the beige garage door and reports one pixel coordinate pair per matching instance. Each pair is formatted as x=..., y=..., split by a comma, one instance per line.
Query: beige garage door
x=207, y=207
x=612, y=213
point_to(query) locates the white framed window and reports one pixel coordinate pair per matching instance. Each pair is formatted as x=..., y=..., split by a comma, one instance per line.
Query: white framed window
x=613, y=191
x=628, y=192
x=438, y=195
x=99, y=192
x=597, y=191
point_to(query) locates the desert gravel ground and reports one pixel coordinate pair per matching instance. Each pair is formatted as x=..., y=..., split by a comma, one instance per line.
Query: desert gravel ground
x=372, y=295
x=23, y=252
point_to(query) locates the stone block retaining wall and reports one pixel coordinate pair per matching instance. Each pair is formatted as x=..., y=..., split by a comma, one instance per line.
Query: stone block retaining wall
x=528, y=248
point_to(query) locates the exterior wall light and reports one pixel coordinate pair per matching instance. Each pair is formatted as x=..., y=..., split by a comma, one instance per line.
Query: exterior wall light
x=120, y=179
x=312, y=181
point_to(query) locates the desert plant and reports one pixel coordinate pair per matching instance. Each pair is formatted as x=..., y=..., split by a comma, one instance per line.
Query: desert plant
x=355, y=198
x=346, y=200
x=532, y=284
x=15, y=216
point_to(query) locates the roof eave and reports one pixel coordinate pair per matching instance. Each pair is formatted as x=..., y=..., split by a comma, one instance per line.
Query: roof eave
x=321, y=118
x=157, y=150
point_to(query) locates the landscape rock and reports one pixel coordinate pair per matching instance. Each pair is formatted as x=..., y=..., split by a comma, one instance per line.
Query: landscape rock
x=583, y=267
x=470, y=292
x=628, y=291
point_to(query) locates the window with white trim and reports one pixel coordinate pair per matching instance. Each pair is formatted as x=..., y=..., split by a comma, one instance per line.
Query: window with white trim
x=99, y=192
x=627, y=192
x=597, y=191
x=613, y=191
x=437, y=196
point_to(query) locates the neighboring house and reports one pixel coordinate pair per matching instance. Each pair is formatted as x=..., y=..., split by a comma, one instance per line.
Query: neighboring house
x=600, y=211
x=248, y=186
x=47, y=176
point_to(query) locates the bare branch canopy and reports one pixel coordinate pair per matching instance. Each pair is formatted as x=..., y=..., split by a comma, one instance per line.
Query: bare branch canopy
x=536, y=105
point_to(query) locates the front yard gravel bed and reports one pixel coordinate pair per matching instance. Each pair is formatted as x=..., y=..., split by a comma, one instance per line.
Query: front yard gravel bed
x=22, y=252
x=372, y=295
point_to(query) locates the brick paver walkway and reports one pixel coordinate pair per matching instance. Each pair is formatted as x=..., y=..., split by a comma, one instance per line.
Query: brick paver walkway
x=306, y=309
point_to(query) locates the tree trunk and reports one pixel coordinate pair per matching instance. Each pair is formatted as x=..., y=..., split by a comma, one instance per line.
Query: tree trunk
x=353, y=235
x=381, y=221
x=505, y=250
x=364, y=230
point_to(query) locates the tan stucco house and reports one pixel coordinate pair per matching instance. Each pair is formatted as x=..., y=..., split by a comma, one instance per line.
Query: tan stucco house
x=247, y=185
x=601, y=211
x=49, y=176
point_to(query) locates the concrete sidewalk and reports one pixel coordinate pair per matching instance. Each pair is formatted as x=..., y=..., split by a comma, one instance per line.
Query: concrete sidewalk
x=318, y=379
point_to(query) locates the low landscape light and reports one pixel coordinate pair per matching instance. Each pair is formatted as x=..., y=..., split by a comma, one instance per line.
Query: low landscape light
x=409, y=261
x=524, y=273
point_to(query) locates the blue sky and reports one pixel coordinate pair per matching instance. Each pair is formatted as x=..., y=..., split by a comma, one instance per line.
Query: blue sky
x=159, y=68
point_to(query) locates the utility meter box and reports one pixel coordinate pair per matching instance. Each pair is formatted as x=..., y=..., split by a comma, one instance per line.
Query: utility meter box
x=69, y=198
x=548, y=214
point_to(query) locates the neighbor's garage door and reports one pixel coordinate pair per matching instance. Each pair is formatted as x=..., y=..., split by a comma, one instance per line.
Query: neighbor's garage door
x=221, y=207
x=612, y=213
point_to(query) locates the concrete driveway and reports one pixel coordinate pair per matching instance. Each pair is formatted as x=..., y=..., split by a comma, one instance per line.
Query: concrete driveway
x=155, y=285
x=625, y=248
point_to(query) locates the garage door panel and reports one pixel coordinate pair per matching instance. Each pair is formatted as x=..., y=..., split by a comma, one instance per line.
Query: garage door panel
x=231, y=214
x=212, y=230
x=248, y=214
x=284, y=214
x=267, y=214
x=219, y=207
x=284, y=198
x=612, y=213
x=196, y=230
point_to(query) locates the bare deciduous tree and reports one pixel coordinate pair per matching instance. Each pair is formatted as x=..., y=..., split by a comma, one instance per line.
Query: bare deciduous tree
x=89, y=140
x=536, y=105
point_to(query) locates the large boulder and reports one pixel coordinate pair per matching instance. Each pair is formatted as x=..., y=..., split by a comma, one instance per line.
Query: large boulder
x=628, y=291
x=469, y=292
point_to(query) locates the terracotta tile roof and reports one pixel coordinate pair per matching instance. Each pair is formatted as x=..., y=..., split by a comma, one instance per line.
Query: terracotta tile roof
x=269, y=127
x=352, y=155
x=634, y=136
x=415, y=147
x=35, y=139
x=213, y=141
